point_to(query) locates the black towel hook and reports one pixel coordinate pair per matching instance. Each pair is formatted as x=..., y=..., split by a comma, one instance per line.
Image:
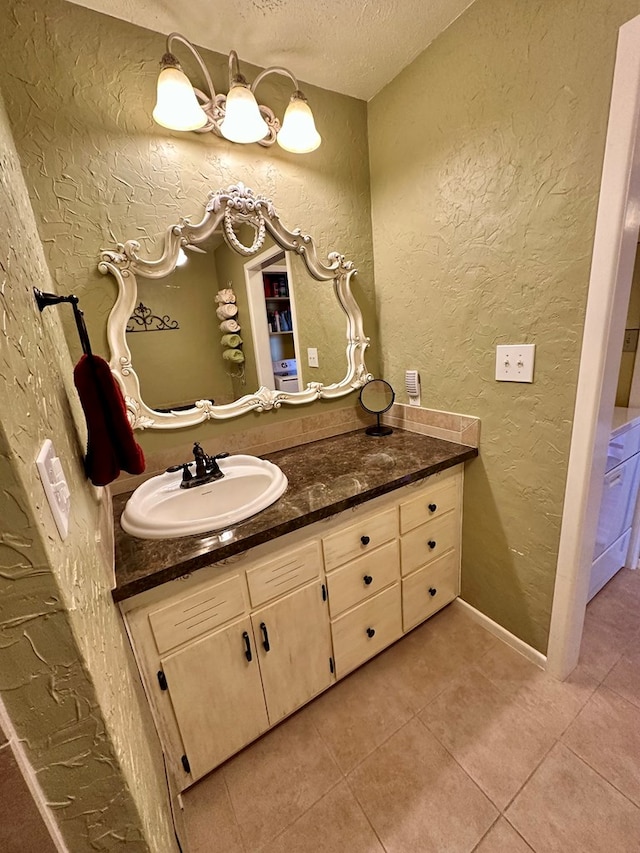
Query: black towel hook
x=46, y=299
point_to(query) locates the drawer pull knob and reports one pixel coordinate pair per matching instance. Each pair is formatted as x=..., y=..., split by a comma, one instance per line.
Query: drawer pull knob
x=265, y=637
x=432, y=591
x=433, y=507
x=431, y=543
x=371, y=632
x=367, y=579
x=365, y=540
x=247, y=646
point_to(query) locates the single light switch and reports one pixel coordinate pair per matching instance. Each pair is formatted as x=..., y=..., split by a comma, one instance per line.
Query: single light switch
x=514, y=362
x=55, y=486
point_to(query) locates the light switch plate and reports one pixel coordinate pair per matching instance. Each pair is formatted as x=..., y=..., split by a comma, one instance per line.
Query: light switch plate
x=55, y=486
x=312, y=356
x=514, y=362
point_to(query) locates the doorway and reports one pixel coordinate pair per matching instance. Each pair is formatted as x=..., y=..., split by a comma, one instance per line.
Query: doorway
x=614, y=250
x=274, y=323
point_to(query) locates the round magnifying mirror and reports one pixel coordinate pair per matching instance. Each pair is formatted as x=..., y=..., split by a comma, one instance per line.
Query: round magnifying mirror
x=377, y=397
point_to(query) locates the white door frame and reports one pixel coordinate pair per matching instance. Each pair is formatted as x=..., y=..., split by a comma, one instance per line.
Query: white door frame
x=614, y=250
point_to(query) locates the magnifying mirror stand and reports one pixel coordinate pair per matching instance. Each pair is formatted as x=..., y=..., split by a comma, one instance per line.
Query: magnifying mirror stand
x=378, y=428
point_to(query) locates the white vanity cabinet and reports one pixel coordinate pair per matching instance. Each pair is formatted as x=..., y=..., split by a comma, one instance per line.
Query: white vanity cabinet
x=229, y=651
x=614, y=548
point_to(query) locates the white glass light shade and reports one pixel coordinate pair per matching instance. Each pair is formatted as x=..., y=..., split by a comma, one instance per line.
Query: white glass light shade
x=182, y=257
x=242, y=120
x=298, y=133
x=177, y=106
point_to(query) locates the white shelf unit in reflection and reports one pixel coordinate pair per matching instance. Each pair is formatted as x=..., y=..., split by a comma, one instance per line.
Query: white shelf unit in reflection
x=274, y=326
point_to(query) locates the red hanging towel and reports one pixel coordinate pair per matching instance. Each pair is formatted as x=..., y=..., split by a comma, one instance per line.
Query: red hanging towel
x=111, y=446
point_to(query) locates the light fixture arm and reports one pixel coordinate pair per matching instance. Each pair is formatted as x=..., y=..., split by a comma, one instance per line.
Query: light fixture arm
x=275, y=69
x=177, y=37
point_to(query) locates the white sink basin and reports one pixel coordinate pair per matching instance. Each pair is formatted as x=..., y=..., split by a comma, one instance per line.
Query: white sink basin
x=160, y=509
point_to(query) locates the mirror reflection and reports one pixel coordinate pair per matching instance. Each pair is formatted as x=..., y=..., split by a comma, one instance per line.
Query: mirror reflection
x=237, y=314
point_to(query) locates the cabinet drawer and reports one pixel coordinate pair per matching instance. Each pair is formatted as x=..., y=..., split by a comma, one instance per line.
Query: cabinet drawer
x=429, y=589
x=197, y=614
x=366, y=630
x=363, y=577
x=431, y=503
x=622, y=447
x=618, y=503
x=361, y=537
x=284, y=574
x=429, y=541
x=608, y=564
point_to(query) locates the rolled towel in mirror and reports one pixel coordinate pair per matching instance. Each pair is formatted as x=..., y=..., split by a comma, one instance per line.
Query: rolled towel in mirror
x=229, y=326
x=226, y=295
x=231, y=341
x=225, y=312
x=235, y=355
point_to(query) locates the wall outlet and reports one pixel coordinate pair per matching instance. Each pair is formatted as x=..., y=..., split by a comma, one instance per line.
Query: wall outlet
x=55, y=486
x=514, y=362
x=312, y=357
x=630, y=340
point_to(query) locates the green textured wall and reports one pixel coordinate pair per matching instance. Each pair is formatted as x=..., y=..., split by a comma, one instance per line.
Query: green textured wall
x=66, y=677
x=627, y=359
x=79, y=88
x=486, y=155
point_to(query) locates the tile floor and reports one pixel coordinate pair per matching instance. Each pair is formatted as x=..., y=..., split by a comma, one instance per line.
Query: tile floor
x=448, y=742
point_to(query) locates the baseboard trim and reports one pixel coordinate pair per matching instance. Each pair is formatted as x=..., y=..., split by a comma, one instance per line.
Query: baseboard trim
x=502, y=634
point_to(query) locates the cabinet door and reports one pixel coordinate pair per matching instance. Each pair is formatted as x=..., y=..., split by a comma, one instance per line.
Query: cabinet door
x=294, y=647
x=216, y=695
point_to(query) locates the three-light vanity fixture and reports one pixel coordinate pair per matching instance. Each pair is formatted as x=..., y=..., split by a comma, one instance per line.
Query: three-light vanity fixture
x=236, y=116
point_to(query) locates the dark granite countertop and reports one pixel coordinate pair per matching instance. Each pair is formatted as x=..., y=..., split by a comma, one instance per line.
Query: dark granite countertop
x=325, y=478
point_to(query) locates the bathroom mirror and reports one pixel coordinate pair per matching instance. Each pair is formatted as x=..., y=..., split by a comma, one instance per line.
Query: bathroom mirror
x=292, y=308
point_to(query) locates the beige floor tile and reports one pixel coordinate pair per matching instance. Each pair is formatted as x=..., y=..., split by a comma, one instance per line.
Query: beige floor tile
x=624, y=588
x=417, y=798
x=335, y=824
x=497, y=741
x=611, y=609
x=211, y=823
x=566, y=807
x=276, y=779
x=555, y=704
x=358, y=714
x=624, y=678
x=502, y=838
x=427, y=661
x=602, y=647
x=607, y=736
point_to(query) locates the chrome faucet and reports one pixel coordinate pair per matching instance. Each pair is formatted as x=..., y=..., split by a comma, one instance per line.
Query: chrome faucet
x=207, y=468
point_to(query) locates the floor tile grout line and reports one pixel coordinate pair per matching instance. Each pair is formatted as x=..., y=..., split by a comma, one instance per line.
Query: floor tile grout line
x=601, y=775
x=361, y=806
x=466, y=772
x=233, y=809
x=300, y=816
x=520, y=835
x=497, y=818
x=530, y=775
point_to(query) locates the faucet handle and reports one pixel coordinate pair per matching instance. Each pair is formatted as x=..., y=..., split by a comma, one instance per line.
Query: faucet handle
x=184, y=467
x=221, y=455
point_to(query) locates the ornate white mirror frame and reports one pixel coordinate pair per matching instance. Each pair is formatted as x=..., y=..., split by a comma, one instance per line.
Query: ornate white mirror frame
x=235, y=206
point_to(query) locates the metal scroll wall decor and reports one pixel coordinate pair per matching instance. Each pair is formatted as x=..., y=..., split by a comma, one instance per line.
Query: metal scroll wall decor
x=144, y=320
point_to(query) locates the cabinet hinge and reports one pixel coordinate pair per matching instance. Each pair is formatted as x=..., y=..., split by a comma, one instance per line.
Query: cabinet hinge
x=162, y=680
x=324, y=592
x=331, y=666
x=185, y=764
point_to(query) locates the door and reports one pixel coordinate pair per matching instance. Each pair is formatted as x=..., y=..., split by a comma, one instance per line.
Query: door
x=216, y=693
x=294, y=647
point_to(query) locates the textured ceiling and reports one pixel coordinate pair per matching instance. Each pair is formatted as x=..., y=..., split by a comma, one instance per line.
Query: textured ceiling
x=351, y=46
